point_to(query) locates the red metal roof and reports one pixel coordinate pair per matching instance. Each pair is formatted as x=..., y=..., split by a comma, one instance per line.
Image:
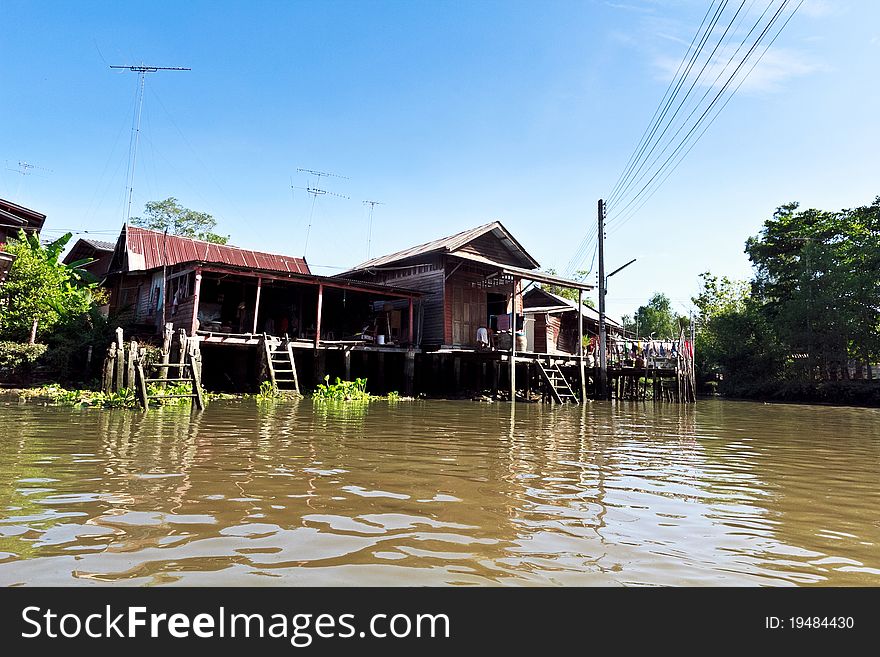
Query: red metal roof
x=146, y=248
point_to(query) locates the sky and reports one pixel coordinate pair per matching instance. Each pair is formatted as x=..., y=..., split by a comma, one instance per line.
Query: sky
x=451, y=114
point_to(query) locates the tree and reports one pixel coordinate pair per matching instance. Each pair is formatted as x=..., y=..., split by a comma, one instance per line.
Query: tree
x=817, y=278
x=567, y=292
x=171, y=216
x=41, y=292
x=657, y=318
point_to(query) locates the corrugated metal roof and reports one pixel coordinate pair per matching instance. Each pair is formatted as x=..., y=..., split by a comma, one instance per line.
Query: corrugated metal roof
x=449, y=244
x=149, y=249
x=100, y=245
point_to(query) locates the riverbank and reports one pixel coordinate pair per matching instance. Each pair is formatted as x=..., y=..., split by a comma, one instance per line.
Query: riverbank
x=838, y=393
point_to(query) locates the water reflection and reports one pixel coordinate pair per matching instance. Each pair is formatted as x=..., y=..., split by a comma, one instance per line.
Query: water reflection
x=440, y=493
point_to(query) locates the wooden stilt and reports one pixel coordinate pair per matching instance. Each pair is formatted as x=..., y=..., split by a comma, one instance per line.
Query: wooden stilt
x=119, y=383
x=409, y=370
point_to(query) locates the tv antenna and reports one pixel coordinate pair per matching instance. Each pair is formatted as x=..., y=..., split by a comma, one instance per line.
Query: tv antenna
x=372, y=205
x=316, y=192
x=26, y=169
x=142, y=71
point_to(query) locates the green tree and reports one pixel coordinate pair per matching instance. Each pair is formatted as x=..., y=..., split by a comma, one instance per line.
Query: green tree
x=657, y=318
x=41, y=292
x=817, y=278
x=567, y=292
x=177, y=220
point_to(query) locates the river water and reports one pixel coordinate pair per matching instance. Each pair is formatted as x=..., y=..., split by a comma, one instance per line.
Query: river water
x=440, y=493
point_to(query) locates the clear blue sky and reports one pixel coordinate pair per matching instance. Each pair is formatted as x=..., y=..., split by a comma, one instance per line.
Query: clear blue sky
x=451, y=113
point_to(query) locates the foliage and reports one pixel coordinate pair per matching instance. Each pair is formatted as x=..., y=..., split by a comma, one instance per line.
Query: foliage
x=55, y=394
x=350, y=391
x=811, y=308
x=567, y=292
x=14, y=355
x=159, y=394
x=655, y=319
x=41, y=292
x=268, y=391
x=177, y=220
x=342, y=390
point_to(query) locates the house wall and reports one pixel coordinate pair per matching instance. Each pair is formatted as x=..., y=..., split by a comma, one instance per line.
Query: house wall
x=427, y=277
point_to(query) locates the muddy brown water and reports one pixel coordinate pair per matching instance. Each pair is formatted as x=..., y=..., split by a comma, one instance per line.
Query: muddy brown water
x=440, y=493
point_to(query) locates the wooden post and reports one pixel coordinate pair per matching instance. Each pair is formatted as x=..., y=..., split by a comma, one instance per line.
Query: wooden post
x=346, y=357
x=257, y=303
x=409, y=369
x=195, y=368
x=318, y=320
x=195, y=316
x=141, y=387
x=181, y=354
x=412, y=339
x=512, y=376
x=120, y=361
x=456, y=373
x=167, y=338
x=109, y=366
x=380, y=363
x=132, y=359
x=580, y=350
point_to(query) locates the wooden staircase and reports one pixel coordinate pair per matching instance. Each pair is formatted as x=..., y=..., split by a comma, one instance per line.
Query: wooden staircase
x=279, y=363
x=556, y=383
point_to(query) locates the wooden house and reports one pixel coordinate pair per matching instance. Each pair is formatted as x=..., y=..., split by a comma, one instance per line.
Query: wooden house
x=551, y=322
x=14, y=218
x=100, y=253
x=220, y=290
x=468, y=280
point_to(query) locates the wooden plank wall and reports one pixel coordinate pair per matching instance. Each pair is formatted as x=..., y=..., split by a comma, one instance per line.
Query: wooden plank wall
x=490, y=247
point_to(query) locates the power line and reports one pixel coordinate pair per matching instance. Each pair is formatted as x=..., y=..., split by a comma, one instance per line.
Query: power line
x=634, y=211
x=634, y=178
x=676, y=82
x=705, y=113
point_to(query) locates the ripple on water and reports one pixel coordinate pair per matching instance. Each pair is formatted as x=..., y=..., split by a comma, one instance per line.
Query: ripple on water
x=455, y=493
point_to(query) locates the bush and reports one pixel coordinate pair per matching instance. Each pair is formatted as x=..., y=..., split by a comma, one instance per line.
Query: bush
x=17, y=359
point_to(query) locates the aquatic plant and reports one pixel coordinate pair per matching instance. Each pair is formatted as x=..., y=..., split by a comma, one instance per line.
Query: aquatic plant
x=268, y=392
x=349, y=391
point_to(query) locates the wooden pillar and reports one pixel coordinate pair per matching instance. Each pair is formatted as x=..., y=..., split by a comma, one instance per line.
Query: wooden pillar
x=380, y=365
x=346, y=357
x=196, y=293
x=513, y=341
x=412, y=339
x=580, y=350
x=456, y=370
x=409, y=368
x=120, y=361
x=257, y=304
x=318, y=320
x=320, y=365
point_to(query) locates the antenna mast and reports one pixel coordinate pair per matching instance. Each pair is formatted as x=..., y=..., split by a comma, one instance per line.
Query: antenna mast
x=372, y=205
x=316, y=192
x=142, y=71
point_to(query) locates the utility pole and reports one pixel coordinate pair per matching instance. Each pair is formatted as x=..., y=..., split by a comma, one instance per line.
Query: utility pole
x=603, y=359
x=142, y=71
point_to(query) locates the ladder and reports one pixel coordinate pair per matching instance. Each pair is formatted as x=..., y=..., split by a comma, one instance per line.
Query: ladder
x=280, y=366
x=188, y=370
x=557, y=385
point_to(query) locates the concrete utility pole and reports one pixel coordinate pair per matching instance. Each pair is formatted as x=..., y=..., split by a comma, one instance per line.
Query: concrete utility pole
x=603, y=360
